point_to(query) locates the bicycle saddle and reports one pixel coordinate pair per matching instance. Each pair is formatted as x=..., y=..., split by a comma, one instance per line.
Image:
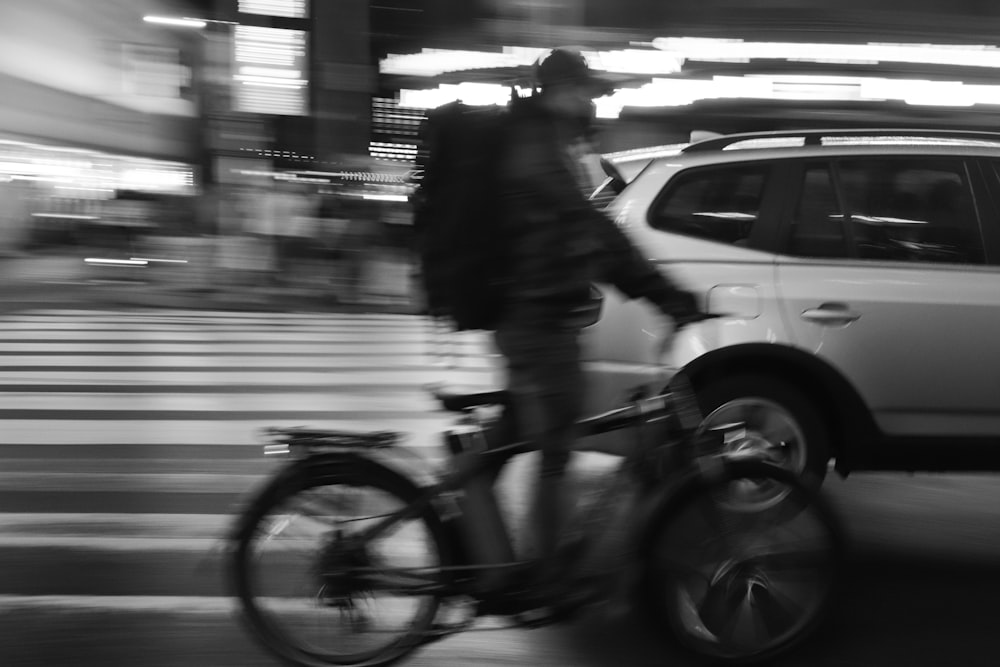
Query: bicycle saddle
x=456, y=400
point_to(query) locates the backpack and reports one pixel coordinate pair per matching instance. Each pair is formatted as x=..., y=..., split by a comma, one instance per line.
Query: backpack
x=457, y=207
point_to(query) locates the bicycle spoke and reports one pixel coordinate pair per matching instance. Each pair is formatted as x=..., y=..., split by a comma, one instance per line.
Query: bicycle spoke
x=332, y=513
x=414, y=581
x=322, y=590
x=278, y=540
x=792, y=560
x=738, y=580
x=325, y=508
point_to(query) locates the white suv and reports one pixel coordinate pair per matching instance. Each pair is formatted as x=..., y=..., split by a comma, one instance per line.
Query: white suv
x=859, y=272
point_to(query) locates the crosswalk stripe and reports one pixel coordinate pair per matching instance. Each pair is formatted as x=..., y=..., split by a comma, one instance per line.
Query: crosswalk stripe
x=191, y=433
x=111, y=522
x=313, y=378
x=234, y=335
x=298, y=417
x=112, y=525
x=189, y=604
x=227, y=482
x=391, y=399
x=57, y=327
x=132, y=436
x=211, y=348
x=104, y=543
x=204, y=315
x=215, y=361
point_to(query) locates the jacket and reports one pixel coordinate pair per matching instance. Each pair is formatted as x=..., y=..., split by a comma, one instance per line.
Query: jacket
x=557, y=242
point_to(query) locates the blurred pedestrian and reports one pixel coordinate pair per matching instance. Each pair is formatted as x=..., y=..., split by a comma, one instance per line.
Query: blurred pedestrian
x=235, y=245
x=330, y=229
x=261, y=228
x=293, y=219
x=14, y=217
x=357, y=247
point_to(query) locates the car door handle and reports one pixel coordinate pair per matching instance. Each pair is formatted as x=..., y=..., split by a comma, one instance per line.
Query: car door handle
x=831, y=313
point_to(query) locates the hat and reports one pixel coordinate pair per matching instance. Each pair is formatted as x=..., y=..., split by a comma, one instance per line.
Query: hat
x=567, y=65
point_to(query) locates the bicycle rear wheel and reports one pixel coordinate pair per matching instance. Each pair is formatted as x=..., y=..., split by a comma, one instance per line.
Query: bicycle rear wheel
x=737, y=581
x=314, y=596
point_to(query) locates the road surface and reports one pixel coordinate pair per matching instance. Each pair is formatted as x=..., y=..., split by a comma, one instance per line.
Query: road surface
x=128, y=440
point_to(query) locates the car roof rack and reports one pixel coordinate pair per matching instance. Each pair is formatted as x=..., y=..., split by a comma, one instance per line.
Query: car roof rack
x=815, y=137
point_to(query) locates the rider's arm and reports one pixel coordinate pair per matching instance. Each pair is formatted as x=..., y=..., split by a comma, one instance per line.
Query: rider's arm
x=534, y=160
x=636, y=276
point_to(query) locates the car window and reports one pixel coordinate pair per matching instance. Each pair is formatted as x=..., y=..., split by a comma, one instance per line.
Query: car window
x=717, y=203
x=818, y=223
x=918, y=210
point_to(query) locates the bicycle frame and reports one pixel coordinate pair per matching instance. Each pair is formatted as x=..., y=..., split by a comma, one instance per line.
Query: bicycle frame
x=441, y=496
x=660, y=486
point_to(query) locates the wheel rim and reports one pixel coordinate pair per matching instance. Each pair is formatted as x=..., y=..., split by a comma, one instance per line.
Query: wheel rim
x=754, y=427
x=312, y=612
x=760, y=428
x=738, y=585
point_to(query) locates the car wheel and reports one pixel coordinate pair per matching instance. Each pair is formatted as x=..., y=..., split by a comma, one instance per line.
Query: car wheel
x=768, y=418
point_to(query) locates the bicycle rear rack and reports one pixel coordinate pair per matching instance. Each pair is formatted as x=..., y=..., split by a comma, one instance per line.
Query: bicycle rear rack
x=284, y=439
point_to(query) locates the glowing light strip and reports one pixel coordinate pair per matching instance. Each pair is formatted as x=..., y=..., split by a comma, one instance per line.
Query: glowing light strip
x=682, y=92
x=295, y=9
x=475, y=94
x=164, y=261
x=433, y=62
x=402, y=198
x=180, y=22
x=271, y=72
x=710, y=49
x=64, y=216
x=671, y=52
x=362, y=176
x=115, y=262
x=269, y=82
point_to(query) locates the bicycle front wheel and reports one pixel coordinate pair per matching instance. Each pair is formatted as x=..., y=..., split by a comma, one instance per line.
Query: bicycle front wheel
x=315, y=595
x=737, y=581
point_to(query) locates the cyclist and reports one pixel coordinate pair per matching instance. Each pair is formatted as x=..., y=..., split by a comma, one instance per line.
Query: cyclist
x=560, y=244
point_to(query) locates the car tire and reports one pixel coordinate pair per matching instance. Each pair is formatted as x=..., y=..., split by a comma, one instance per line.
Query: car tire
x=778, y=421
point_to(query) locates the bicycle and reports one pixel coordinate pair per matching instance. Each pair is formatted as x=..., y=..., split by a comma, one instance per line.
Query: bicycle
x=736, y=556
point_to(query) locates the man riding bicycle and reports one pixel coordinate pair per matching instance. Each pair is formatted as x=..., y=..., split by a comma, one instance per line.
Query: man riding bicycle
x=559, y=245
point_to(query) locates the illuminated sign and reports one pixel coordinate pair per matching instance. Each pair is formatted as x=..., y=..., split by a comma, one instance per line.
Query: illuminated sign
x=295, y=9
x=269, y=66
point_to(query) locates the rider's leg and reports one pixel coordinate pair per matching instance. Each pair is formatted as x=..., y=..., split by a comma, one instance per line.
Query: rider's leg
x=561, y=403
x=546, y=381
x=550, y=511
